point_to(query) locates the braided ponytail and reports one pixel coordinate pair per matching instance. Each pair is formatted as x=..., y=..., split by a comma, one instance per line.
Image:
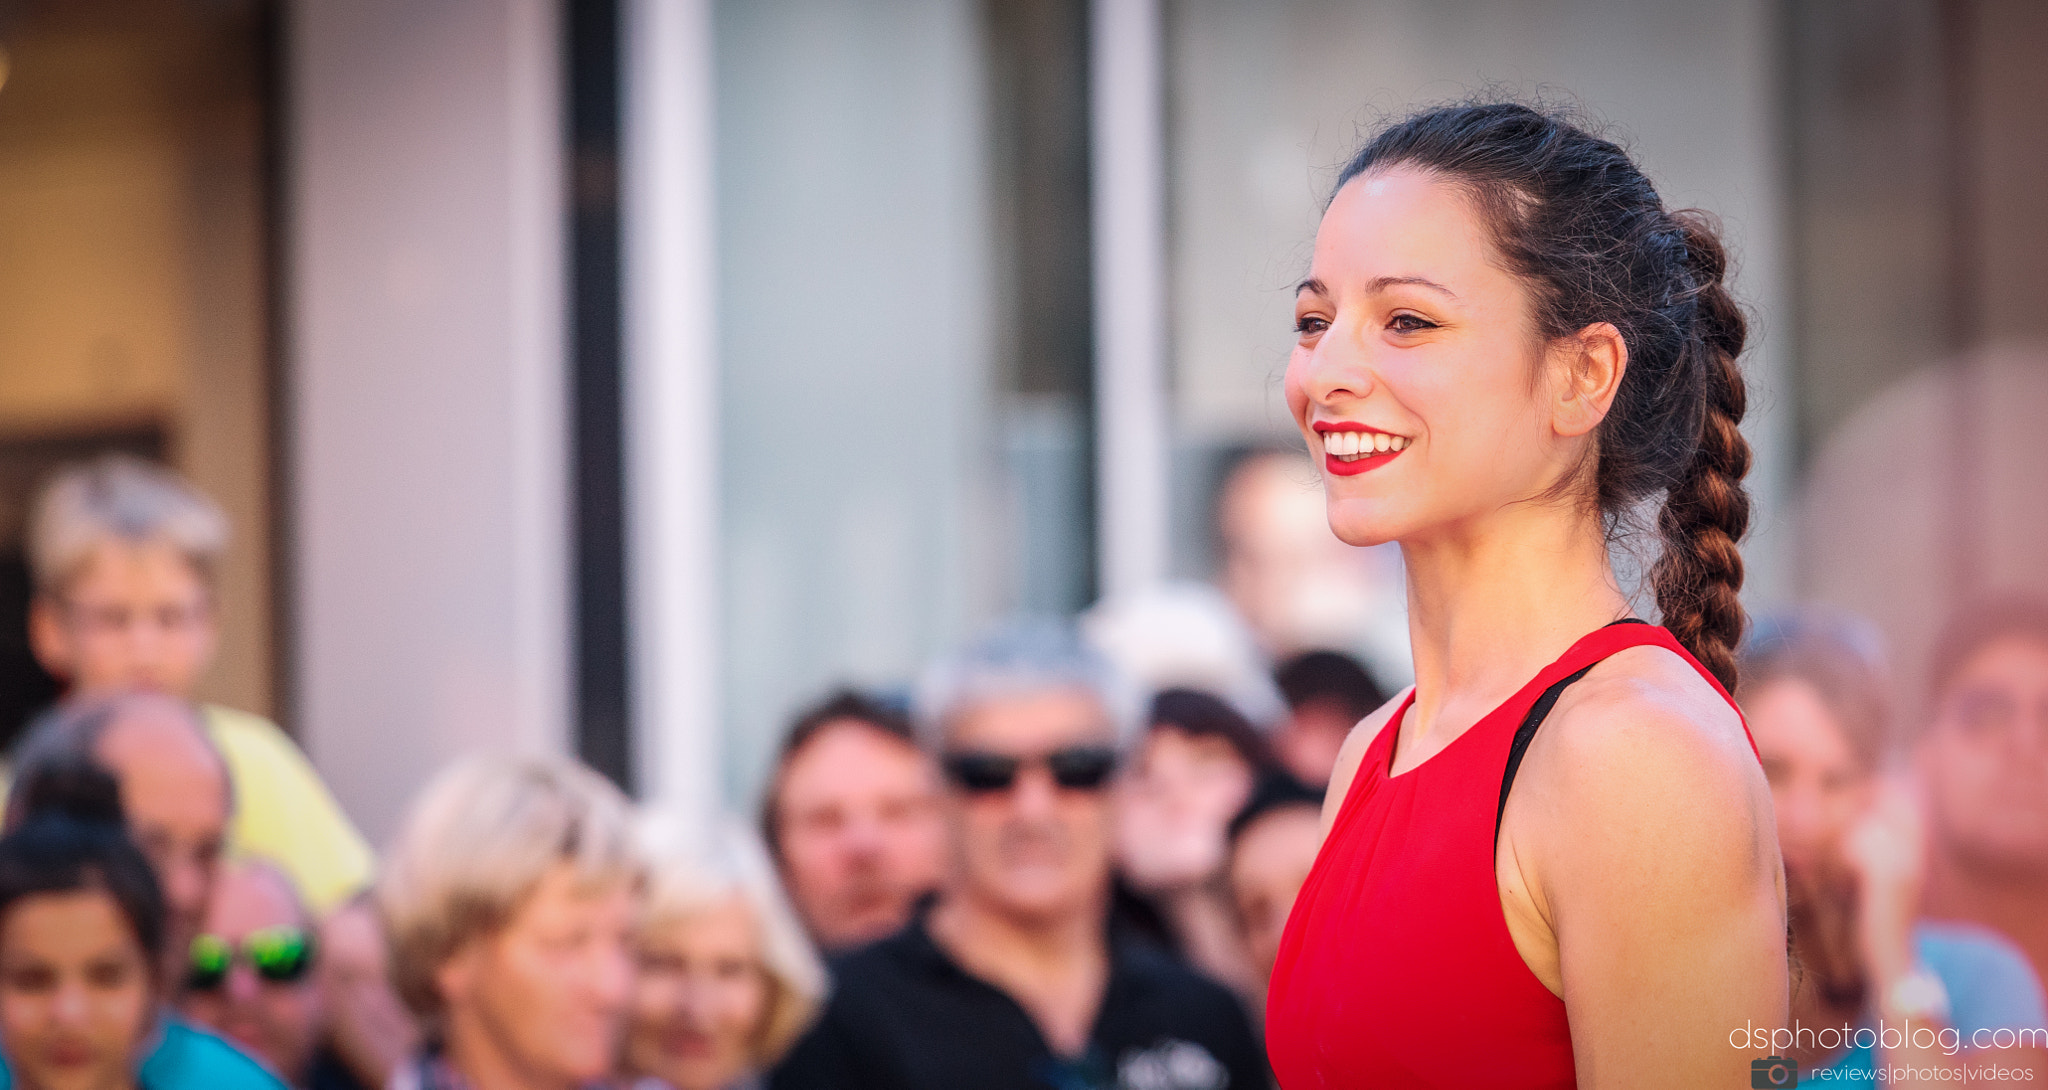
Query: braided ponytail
x=1699, y=575
x=1573, y=216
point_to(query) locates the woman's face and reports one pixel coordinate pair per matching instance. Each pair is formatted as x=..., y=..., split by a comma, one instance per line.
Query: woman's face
x=701, y=1002
x=1175, y=806
x=1414, y=343
x=75, y=993
x=1818, y=787
x=548, y=990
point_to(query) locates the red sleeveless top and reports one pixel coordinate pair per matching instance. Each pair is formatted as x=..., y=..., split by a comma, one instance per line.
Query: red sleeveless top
x=1396, y=969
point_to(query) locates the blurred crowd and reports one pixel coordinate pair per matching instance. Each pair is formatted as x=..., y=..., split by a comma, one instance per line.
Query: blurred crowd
x=1063, y=858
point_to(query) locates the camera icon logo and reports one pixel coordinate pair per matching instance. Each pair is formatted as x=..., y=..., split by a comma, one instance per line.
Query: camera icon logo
x=1773, y=1071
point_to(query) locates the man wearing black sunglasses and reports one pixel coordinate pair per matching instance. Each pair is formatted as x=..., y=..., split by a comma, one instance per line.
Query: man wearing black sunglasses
x=1013, y=976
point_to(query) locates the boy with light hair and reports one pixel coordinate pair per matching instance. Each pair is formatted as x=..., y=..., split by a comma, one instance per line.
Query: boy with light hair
x=509, y=901
x=123, y=555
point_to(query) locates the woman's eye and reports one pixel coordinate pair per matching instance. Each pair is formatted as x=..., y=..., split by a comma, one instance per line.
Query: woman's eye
x=35, y=979
x=1309, y=324
x=107, y=975
x=1409, y=323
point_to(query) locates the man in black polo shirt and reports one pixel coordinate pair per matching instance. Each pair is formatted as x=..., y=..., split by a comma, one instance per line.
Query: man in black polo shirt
x=1012, y=977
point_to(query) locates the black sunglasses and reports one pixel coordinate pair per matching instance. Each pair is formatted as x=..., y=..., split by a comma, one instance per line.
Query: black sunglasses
x=1077, y=768
x=278, y=954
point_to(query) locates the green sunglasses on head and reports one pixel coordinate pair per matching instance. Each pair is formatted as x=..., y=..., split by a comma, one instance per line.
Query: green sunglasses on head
x=278, y=954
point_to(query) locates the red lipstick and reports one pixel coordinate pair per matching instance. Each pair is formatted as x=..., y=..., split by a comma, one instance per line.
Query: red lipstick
x=1352, y=467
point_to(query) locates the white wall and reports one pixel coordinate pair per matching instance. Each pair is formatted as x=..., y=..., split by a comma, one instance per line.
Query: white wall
x=427, y=450
x=859, y=443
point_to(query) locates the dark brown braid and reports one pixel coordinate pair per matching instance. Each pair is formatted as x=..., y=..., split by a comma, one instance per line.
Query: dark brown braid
x=1699, y=575
x=1574, y=216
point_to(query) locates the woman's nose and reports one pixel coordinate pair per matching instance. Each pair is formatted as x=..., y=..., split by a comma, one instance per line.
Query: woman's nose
x=73, y=1005
x=1335, y=368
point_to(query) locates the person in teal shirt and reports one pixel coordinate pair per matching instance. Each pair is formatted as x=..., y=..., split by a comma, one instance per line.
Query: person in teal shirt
x=82, y=929
x=184, y=1057
x=1989, y=987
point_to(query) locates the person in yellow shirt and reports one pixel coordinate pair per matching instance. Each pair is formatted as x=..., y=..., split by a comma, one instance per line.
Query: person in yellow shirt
x=122, y=554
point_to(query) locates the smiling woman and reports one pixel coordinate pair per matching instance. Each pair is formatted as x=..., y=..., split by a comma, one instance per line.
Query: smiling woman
x=1505, y=345
x=727, y=979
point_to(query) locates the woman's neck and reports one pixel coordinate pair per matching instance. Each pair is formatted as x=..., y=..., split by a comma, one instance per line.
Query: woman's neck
x=479, y=1058
x=1493, y=602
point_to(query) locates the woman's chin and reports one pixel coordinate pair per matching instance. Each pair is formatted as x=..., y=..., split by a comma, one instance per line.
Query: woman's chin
x=1362, y=522
x=704, y=1073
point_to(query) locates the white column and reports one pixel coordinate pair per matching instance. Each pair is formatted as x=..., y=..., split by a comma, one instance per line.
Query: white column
x=1127, y=143
x=669, y=240
x=427, y=423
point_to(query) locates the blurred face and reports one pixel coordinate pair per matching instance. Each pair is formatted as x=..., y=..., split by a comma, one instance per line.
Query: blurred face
x=136, y=616
x=75, y=994
x=701, y=1002
x=1308, y=742
x=1415, y=345
x=545, y=995
x=1281, y=565
x=1175, y=805
x=1818, y=788
x=857, y=817
x=278, y=1020
x=1271, y=860
x=175, y=793
x=1033, y=850
x=1986, y=759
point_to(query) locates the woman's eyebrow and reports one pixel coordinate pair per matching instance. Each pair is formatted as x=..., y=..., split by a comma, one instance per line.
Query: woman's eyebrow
x=1378, y=283
x=1381, y=283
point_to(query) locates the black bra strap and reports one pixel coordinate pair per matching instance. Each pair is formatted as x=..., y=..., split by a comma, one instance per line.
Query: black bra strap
x=1526, y=733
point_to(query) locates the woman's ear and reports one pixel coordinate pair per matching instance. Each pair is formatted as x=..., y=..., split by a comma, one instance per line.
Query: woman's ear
x=1587, y=370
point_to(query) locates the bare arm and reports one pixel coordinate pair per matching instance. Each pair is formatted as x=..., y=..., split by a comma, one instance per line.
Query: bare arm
x=1640, y=860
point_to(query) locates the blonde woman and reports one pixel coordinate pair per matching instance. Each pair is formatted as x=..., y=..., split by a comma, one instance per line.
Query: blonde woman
x=509, y=903
x=727, y=979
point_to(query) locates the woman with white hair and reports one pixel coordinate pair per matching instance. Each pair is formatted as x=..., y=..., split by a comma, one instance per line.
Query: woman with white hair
x=727, y=979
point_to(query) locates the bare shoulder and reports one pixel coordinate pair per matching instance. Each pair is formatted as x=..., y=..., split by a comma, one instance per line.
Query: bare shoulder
x=1639, y=871
x=1353, y=752
x=1645, y=745
x=1646, y=704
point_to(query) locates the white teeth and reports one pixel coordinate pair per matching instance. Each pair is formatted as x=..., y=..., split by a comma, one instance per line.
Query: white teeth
x=1352, y=445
